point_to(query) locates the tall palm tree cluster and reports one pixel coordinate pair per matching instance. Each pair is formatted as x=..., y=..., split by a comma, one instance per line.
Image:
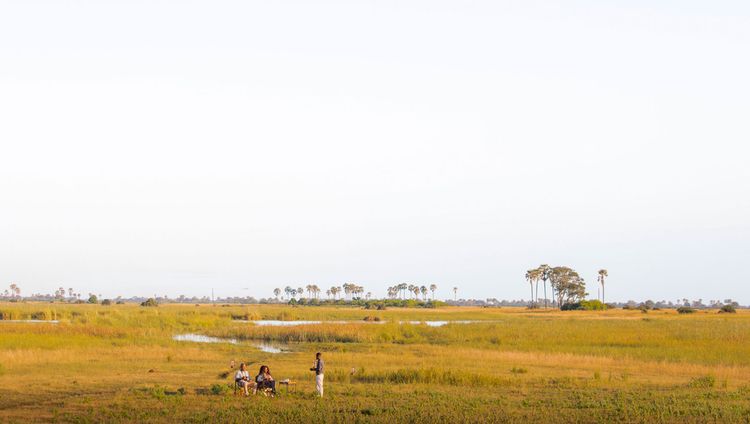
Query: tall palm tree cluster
x=13, y=291
x=566, y=285
x=313, y=291
x=60, y=293
x=400, y=290
x=352, y=291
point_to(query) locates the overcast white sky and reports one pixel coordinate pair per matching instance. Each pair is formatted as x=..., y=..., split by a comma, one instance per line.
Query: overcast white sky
x=167, y=147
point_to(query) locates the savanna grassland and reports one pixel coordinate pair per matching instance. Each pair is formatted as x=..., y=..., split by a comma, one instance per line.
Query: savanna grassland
x=119, y=363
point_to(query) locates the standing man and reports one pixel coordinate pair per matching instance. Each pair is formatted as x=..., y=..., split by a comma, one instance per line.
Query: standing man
x=318, y=368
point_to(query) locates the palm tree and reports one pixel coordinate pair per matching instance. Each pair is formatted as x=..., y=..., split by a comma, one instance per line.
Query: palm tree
x=334, y=291
x=277, y=292
x=602, y=276
x=300, y=291
x=402, y=289
x=455, y=293
x=70, y=292
x=433, y=287
x=347, y=290
x=544, y=271
x=392, y=292
x=423, y=290
x=530, y=278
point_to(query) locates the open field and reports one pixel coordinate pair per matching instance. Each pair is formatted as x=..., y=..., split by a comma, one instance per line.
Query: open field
x=120, y=363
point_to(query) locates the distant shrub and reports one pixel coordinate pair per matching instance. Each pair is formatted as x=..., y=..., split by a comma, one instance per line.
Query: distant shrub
x=685, y=310
x=93, y=299
x=630, y=304
x=728, y=309
x=106, y=302
x=705, y=382
x=371, y=318
x=158, y=392
x=41, y=315
x=120, y=302
x=584, y=305
x=219, y=389
x=150, y=302
x=519, y=370
x=246, y=316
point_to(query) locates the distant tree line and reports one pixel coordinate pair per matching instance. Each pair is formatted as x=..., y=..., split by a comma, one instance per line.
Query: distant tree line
x=566, y=287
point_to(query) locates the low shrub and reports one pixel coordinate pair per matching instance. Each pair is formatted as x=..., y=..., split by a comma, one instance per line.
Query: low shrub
x=150, y=302
x=705, y=382
x=40, y=315
x=728, y=309
x=219, y=389
x=585, y=305
x=685, y=310
x=8, y=315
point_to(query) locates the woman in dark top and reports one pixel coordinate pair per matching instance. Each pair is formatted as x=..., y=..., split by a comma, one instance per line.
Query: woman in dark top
x=265, y=379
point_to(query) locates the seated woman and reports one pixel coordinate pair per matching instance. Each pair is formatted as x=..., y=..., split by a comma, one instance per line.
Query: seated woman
x=265, y=379
x=242, y=378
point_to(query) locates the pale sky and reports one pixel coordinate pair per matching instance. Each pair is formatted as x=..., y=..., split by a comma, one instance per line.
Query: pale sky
x=167, y=147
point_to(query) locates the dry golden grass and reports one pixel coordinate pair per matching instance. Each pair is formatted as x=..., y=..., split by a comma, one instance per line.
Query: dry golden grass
x=119, y=363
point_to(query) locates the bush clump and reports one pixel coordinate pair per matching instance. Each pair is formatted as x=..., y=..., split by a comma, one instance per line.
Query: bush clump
x=219, y=389
x=584, y=305
x=685, y=310
x=728, y=309
x=150, y=302
x=705, y=382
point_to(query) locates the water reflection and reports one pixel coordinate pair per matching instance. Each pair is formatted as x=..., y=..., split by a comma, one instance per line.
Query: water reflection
x=200, y=338
x=279, y=323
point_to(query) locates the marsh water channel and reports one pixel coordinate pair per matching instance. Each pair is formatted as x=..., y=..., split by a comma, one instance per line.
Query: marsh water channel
x=283, y=348
x=279, y=323
x=200, y=338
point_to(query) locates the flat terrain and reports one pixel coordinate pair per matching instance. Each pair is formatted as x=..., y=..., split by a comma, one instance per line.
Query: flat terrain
x=120, y=363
